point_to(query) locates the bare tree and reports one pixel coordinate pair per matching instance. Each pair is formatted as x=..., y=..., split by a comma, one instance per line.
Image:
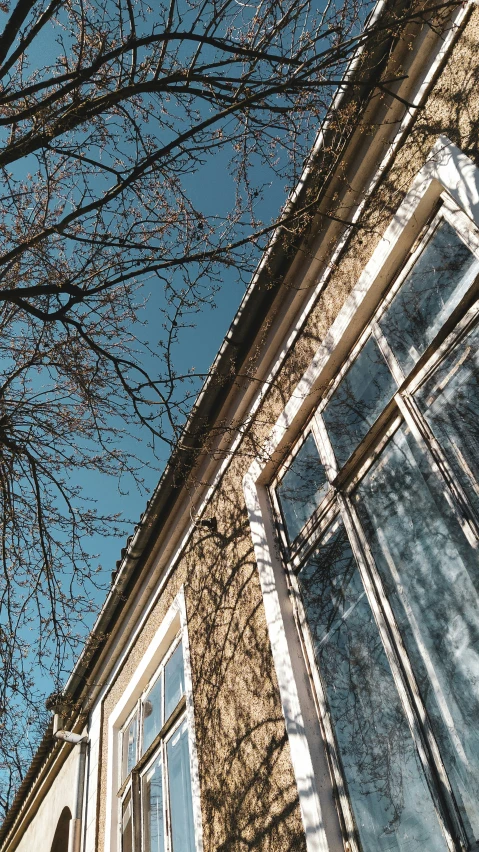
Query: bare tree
x=110, y=113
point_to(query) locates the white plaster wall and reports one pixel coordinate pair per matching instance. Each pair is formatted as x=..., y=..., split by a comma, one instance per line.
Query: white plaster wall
x=39, y=834
x=92, y=782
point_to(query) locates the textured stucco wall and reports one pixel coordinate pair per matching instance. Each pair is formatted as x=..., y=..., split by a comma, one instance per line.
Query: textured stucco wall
x=249, y=799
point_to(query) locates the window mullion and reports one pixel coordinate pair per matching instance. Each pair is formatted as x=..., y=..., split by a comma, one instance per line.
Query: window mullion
x=166, y=799
x=424, y=436
x=388, y=354
x=280, y=524
x=136, y=810
x=461, y=330
x=404, y=678
x=461, y=223
x=325, y=447
x=139, y=735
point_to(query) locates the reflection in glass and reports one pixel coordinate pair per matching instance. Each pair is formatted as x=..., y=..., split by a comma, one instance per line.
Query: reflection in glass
x=152, y=802
x=129, y=739
x=174, y=680
x=358, y=400
x=431, y=576
x=428, y=295
x=302, y=488
x=450, y=402
x=179, y=785
x=126, y=825
x=151, y=715
x=390, y=799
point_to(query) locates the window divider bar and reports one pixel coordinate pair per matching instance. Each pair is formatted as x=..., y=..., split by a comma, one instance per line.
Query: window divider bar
x=461, y=223
x=280, y=523
x=135, y=810
x=426, y=438
x=324, y=445
x=162, y=733
x=461, y=329
x=388, y=354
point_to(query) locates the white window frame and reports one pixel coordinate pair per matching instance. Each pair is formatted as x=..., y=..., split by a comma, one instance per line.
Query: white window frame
x=446, y=171
x=172, y=630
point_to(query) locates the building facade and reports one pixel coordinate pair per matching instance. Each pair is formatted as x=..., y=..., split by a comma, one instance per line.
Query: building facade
x=288, y=658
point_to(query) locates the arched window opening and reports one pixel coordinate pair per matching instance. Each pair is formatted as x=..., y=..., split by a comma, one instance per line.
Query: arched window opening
x=60, y=840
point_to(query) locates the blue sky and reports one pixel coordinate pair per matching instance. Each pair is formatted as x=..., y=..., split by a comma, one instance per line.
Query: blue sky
x=198, y=349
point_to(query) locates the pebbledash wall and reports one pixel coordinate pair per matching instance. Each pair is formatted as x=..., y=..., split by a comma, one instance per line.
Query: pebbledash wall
x=249, y=722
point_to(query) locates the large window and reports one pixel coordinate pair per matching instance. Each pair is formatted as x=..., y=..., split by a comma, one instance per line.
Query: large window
x=155, y=798
x=378, y=514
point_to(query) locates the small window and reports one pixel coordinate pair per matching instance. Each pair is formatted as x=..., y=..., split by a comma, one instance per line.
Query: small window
x=386, y=579
x=156, y=811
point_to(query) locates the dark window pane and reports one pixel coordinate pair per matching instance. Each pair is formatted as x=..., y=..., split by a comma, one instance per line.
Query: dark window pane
x=126, y=825
x=174, y=680
x=436, y=284
x=358, y=400
x=450, y=401
x=388, y=792
x=129, y=740
x=152, y=805
x=151, y=714
x=431, y=576
x=179, y=785
x=302, y=488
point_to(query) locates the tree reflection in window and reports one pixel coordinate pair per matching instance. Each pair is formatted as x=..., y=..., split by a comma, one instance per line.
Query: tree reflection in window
x=302, y=488
x=435, y=285
x=358, y=400
x=450, y=402
x=431, y=576
x=390, y=799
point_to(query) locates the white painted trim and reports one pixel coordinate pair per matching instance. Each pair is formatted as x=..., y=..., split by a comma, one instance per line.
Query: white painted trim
x=300, y=754
x=446, y=169
x=174, y=621
x=190, y=715
x=93, y=780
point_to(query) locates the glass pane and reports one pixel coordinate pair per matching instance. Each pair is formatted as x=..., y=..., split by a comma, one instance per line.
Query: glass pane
x=179, y=786
x=151, y=715
x=431, y=576
x=152, y=806
x=428, y=295
x=174, y=681
x=302, y=488
x=129, y=738
x=450, y=401
x=391, y=801
x=358, y=400
x=126, y=825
